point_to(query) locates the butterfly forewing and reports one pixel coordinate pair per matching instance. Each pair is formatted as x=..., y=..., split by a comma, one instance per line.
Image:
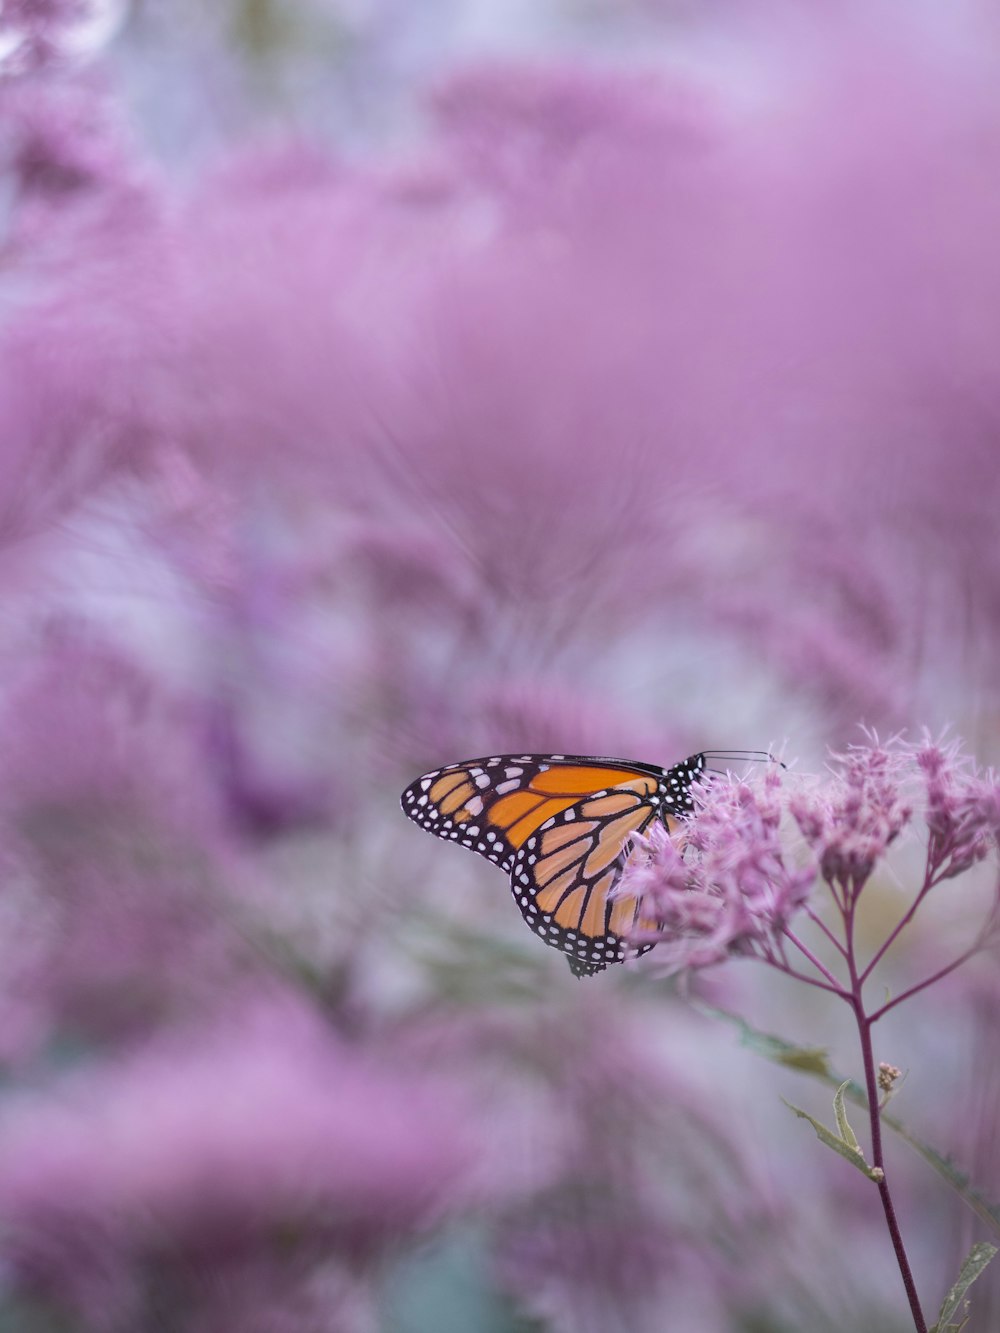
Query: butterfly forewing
x=558, y=824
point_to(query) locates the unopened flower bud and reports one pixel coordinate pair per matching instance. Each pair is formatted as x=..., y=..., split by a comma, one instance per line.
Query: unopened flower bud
x=887, y=1075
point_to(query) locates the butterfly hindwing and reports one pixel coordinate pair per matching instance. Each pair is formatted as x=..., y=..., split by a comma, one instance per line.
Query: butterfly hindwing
x=564, y=874
x=558, y=824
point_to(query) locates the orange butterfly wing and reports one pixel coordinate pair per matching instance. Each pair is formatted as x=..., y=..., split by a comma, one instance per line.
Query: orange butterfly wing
x=558, y=825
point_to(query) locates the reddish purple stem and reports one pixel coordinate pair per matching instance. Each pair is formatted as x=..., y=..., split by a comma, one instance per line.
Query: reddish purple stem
x=887, y=943
x=818, y=921
x=806, y=952
x=846, y=904
x=865, y=1034
x=928, y=981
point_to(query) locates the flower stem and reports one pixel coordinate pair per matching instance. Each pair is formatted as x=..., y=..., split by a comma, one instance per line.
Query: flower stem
x=928, y=981
x=817, y=920
x=808, y=953
x=929, y=883
x=865, y=1034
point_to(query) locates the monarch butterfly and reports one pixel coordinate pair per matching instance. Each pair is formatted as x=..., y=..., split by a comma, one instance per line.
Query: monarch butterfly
x=558, y=824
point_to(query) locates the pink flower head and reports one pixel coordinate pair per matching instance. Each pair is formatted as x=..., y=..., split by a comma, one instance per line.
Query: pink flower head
x=962, y=810
x=851, y=824
x=724, y=886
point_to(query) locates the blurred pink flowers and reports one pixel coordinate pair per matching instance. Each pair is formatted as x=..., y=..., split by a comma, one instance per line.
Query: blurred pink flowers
x=121, y=879
x=34, y=29
x=608, y=343
x=592, y=407
x=216, y=1145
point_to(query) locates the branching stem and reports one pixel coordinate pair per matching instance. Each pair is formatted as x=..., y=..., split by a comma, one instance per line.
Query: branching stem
x=889, y=941
x=864, y=1022
x=820, y=967
x=818, y=921
x=928, y=981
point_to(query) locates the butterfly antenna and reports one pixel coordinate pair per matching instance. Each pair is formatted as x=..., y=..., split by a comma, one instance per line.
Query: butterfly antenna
x=741, y=756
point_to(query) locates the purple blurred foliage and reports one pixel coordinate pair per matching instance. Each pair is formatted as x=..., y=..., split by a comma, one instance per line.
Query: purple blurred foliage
x=493, y=357
x=259, y=1140
x=85, y=275
x=73, y=178
x=473, y=340
x=122, y=888
x=503, y=441
x=44, y=13
x=36, y=30
x=597, y=1215
x=531, y=712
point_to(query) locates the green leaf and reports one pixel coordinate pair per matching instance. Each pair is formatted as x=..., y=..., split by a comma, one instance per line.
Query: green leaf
x=851, y=1153
x=808, y=1059
x=979, y=1256
x=782, y=1052
x=843, y=1124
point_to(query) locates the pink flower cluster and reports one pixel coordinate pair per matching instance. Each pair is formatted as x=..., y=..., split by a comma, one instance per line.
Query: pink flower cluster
x=732, y=879
x=724, y=885
x=962, y=811
x=850, y=823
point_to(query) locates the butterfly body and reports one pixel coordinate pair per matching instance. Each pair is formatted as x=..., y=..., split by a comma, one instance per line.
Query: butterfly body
x=559, y=826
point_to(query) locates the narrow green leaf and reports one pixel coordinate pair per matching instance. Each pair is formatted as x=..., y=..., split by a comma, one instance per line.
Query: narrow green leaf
x=808, y=1059
x=979, y=1256
x=839, y=1145
x=781, y=1052
x=843, y=1124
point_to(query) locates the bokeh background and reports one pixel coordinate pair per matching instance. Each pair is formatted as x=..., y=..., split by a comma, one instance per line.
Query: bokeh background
x=384, y=384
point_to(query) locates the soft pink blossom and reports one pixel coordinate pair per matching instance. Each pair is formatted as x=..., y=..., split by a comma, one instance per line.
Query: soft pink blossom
x=851, y=822
x=724, y=884
x=730, y=879
x=962, y=810
x=201, y=1148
